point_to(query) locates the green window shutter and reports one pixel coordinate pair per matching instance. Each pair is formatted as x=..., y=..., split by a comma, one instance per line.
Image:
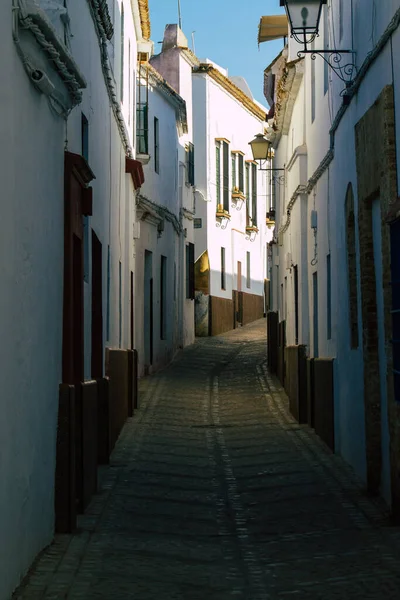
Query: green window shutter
x=218, y=172
x=233, y=171
x=241, y=181
x=254, y=194
x=226, y=175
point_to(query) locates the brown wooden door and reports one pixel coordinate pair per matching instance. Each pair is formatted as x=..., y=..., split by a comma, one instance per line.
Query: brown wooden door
x=97, y=307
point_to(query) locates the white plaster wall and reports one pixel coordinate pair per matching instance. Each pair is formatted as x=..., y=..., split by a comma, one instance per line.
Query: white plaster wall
x=167, y=189
x=226, y=118
x=113, y=192
x=166, y=245
x=328, y=198
x=31, y=270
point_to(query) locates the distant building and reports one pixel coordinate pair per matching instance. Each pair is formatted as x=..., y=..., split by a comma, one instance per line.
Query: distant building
x=231, y=236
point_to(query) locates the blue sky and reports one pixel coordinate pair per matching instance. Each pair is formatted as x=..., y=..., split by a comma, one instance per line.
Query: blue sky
x=226, y=32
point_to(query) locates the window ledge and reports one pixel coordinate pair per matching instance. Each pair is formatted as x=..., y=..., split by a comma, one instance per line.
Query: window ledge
x=143, y=158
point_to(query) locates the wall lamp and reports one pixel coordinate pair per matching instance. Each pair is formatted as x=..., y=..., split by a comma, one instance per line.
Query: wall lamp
x=304, y=18
x=261, y=149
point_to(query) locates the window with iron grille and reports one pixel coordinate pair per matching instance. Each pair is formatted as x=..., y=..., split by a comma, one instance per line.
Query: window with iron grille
x=190, y=164
x=142, y=128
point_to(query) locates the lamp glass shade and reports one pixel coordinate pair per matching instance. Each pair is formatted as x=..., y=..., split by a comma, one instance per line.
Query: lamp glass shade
x=260, y=147
x=304, y=15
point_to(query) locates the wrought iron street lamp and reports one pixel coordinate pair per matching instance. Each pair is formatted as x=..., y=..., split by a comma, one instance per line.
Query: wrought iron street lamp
x=261, y=148
x=304, y=19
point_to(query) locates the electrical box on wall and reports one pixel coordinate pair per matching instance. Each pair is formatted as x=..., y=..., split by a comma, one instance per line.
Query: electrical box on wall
x=288, y=260
x=276, y=261
x=314, y=219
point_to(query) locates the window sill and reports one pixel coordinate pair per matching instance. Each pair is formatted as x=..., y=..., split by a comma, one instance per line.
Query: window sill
x=143, y=158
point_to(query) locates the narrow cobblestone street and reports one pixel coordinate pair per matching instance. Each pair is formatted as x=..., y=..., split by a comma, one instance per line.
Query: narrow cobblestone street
x=215, y=492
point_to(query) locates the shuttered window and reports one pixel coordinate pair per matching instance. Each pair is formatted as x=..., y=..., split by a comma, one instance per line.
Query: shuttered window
x=156, y=146
x=190, y=164
x=247, y=194
x=226, y=175
x=254, y=194
x=233, y=160
x=218, y=172
x=241, y=174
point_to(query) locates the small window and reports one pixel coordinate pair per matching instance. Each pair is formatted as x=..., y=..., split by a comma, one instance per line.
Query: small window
x=142, y=128
x=190, y=164
x=163, y=298
x=218, y=172
x=156, y=146
x=248, y=272
x=85, y=137
x=223, y=274
x=190, y=272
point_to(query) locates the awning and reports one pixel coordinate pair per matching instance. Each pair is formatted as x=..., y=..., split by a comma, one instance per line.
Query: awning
x=272, y=28
x=135, y=169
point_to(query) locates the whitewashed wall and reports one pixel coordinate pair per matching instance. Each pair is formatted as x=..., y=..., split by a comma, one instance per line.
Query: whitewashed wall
x=31, y=271
x=167, y=189
x=218, y=115
x=328, y=198
x=113, y=192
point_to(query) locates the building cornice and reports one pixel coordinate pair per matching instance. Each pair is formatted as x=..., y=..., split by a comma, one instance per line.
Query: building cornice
x=145, y=18
x=232, y=89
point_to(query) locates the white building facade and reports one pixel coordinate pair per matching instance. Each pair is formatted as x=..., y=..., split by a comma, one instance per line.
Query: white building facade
x=333, y=255
x=165, y=210
x=67, y=258
x=231, y=232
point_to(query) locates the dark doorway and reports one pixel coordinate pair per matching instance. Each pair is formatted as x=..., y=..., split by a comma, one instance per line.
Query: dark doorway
x=148, y=308
x=97, y=307
x=296, y=303
x=132, y=316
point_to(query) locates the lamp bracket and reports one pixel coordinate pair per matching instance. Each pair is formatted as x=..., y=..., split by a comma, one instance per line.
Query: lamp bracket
x=346, y=72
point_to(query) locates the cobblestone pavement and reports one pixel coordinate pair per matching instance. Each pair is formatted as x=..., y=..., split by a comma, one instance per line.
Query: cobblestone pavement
x=215, y=492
